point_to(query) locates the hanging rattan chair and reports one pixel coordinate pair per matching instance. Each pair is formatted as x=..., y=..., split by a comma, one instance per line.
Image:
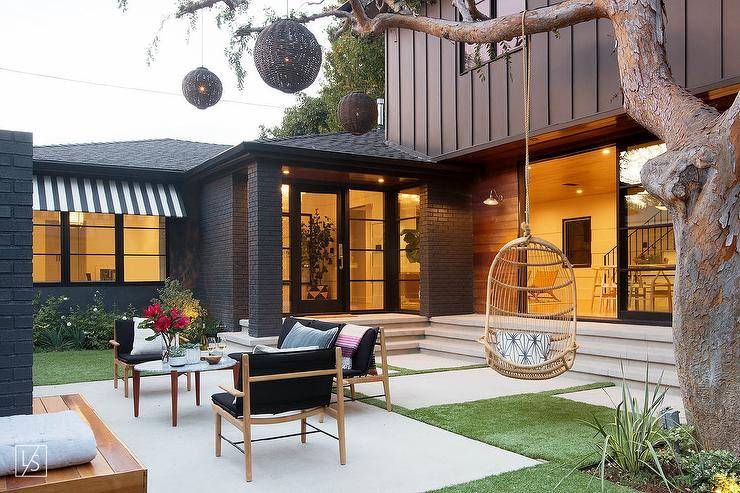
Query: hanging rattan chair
x=530, y=331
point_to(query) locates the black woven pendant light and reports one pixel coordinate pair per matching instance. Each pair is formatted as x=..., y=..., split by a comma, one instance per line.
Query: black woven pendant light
x=287, y=56
x=357, y=113
x=202, y=88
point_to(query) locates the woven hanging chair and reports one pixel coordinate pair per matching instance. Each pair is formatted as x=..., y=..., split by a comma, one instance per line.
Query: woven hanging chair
x=530, y=330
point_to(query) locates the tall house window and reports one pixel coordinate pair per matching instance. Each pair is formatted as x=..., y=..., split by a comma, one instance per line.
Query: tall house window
x=409, y=261
x=474, y=56
x=577, y=241
x=92, y=247
x=285, y=192
x=47, y=246
x=647, y=238
x=144, y=248
x=366, y=245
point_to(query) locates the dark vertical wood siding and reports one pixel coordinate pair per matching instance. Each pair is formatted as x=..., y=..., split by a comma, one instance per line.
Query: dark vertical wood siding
x=436, y=109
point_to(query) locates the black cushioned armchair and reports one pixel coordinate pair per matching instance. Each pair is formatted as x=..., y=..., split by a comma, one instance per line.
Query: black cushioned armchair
x=295, y=385
x=361, y=362
x=122, y=344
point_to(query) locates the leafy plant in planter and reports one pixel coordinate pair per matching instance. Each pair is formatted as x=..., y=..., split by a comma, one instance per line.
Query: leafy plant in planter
x=412, y=238
x=317, y=235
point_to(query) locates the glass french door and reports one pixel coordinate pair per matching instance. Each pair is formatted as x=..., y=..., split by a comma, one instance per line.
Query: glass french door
x=317, y=259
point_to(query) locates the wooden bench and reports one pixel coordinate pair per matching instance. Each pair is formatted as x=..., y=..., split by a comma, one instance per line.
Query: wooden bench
x=114, y=470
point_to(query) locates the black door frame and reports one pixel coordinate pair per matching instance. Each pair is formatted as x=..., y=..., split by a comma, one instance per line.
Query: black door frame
x=305, y=306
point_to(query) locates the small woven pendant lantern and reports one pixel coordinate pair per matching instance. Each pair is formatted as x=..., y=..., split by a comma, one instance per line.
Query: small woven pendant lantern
x=287, y=56
x=357, y=113
x=202, y=88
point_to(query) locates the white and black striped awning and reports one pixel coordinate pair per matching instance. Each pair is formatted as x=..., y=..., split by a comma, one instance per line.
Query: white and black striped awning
x=69, y=193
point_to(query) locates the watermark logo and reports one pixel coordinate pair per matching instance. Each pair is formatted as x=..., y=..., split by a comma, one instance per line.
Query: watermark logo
x=30, y=461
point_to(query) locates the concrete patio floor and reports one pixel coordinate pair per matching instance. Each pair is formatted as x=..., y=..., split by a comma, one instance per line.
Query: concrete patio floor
x=448, y=387
x=385, y=451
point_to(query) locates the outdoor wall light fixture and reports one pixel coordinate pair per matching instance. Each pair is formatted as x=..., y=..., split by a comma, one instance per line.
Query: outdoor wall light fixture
x=286, y=171
x=606, y=150
x=494, y=198
x=381, y=180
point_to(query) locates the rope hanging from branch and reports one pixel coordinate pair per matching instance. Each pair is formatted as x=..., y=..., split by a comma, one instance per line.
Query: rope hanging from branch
x=530, y=330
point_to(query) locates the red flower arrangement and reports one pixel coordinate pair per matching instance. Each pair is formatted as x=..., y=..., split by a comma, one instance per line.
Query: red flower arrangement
x=167, y=323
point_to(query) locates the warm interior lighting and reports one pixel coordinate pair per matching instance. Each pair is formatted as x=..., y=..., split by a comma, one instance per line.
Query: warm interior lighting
x=286, y=171
x=381, y=180
x=606, y=151
x=202, y=89
x=493, y=198
x=285, y=189
x=661, y=207
x=579, y=190
x=76, y=218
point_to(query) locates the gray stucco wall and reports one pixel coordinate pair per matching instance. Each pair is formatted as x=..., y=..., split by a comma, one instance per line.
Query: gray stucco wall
x=16, y=282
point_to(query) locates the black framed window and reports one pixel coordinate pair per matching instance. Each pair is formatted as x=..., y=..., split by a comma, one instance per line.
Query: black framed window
x=89, y=248
x=366, y=250
x=92, y=247
x=475, y=56
x=285, y=193
x=409, y=249
x=47, y=246
x=144, y=248
x=577, y=241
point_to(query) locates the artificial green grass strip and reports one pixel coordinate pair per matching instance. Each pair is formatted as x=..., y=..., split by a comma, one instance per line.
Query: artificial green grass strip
x=544, y=478
x=580, y=388
x=402, y=372
x=541, y=426
x=59, y=367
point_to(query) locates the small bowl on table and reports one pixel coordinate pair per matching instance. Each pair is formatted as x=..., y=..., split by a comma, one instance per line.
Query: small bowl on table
x=212, y=359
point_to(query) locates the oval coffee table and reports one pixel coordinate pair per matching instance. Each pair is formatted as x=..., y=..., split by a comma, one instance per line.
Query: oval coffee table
x=157, y=367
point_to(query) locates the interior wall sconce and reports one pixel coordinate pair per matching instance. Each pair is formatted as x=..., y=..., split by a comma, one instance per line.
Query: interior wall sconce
x=494, y=198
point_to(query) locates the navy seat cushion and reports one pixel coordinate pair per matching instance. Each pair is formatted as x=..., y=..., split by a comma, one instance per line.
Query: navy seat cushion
x=281, y=396
x=139, y=358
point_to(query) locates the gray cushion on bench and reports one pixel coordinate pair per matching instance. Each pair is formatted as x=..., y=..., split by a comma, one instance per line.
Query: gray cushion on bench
x=69, y=440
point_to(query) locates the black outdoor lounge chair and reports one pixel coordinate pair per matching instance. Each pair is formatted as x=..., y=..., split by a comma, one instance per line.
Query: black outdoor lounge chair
x=295, y=385
x=122, y=344
x=359, y=373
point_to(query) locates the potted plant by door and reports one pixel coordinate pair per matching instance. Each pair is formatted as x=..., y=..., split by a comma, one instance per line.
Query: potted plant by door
x=317, y=236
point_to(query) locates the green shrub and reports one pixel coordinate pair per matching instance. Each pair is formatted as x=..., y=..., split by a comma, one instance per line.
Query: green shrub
x=701, y=468
x=59, y=326
x=174, y=295
x=629, y=443
x=680, y=441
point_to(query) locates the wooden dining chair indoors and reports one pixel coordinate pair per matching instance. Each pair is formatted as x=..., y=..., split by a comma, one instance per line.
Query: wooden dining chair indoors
x=279, y=388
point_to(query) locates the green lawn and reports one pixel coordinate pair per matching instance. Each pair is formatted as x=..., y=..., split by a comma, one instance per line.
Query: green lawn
x=58, y=367
x=541, y=426
x=545, y=478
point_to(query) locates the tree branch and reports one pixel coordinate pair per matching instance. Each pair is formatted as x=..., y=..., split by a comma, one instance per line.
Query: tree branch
x=303, y=19
x=196, y=5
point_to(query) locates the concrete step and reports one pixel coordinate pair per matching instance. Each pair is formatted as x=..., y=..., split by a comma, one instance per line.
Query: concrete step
x=454, y=331
x=452, y=346
x=403, y=331
x=634, y=371
x=627, y=350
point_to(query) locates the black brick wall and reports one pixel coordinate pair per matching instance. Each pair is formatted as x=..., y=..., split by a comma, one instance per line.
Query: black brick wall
x=446, y=249
x=16, y=283
x=265, y=244
x=222, y=250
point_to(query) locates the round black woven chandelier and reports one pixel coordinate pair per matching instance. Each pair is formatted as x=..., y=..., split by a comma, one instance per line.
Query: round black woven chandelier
x=357, y=113
x=202, y=88
x=287, y=56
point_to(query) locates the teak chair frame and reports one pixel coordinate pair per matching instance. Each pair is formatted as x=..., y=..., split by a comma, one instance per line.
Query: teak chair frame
x=383, y=377
x=246, y=422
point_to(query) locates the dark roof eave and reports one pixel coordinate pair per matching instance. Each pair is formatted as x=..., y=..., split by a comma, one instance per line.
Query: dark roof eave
x=68, y=168
x=307, y=157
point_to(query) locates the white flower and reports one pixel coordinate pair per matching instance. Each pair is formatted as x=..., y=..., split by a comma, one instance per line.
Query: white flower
x=124, y=317
x=63, y=317
x=65, y=299
x=69, y=324
x=95, y=309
